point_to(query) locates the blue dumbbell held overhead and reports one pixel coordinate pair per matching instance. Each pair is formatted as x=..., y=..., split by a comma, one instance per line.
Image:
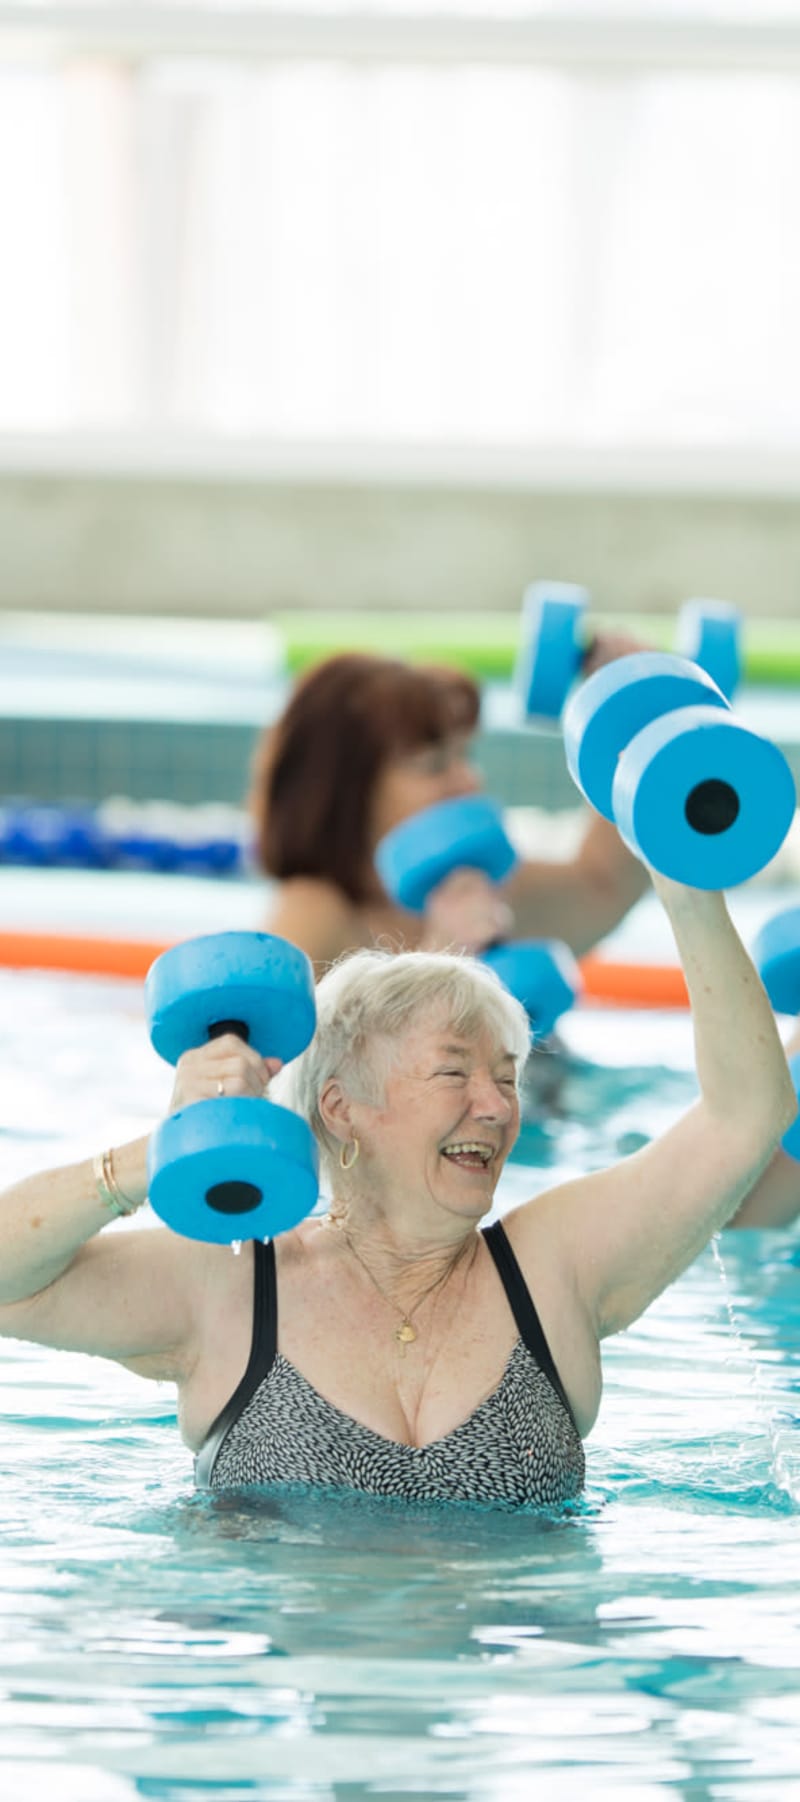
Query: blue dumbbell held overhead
x=236, y=1167
x=652, y=743
x=468, y=833
x=618, y=702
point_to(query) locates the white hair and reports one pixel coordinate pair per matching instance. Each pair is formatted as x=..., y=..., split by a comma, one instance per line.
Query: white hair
x=364, y=1005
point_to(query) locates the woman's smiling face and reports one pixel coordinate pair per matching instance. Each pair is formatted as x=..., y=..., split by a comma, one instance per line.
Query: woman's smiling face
x=448, y=1119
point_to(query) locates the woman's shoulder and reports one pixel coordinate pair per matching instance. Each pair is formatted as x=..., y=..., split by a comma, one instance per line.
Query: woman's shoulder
x=317, y=915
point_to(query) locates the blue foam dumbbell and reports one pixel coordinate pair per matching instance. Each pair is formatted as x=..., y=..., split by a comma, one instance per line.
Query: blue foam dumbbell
x=709, y=633
x=791, y=1138
x=541, y=973
x=776, y=955
x=550, y=649
x=652, y=743
x=468, y=833
x=236, y=1167
x=553, y=644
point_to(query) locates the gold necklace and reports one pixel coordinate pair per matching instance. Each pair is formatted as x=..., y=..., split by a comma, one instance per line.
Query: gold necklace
x=406, y=1333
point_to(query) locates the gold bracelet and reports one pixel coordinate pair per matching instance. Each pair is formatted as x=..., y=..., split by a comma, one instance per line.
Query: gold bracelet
x=108, y=1189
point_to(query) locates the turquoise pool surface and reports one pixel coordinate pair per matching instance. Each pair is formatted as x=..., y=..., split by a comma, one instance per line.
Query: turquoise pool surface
x=161, y=1644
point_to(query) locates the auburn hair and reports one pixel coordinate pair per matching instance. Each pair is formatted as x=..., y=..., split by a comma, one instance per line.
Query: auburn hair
x=315, y=769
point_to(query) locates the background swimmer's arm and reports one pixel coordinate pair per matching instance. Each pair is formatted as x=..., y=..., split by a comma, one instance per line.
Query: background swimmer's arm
x=584, y=897
x=775, y=1199
x=466, y=912
x=621, y=1236
x=579, y=899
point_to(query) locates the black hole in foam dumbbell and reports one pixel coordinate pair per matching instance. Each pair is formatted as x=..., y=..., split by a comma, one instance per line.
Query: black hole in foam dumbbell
x=711, y=807
x=233, y=1198
x=239, y=1027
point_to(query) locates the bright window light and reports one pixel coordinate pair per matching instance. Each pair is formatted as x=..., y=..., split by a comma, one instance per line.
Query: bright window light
x=482, y=256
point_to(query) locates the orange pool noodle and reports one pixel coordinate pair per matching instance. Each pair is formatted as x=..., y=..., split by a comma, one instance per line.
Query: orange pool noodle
x=603, y=981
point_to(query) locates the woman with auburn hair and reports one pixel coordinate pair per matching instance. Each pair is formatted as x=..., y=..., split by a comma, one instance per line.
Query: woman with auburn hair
x=365, y=742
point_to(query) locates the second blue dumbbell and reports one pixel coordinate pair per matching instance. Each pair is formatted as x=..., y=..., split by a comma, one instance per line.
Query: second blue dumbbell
x=468, y=833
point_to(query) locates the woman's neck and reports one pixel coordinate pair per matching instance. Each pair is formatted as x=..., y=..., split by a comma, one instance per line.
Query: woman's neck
x=402, y=1259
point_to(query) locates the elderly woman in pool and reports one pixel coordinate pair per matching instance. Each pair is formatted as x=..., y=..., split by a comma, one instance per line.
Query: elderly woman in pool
x=396, y=1347
x=366, y=742
x=774, y=1200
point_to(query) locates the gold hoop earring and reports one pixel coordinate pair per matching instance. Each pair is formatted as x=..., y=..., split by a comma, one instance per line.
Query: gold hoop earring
x=345, y=1162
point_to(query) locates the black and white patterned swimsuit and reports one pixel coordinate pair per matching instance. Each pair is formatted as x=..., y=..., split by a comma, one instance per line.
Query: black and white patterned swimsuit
x=520, y=1445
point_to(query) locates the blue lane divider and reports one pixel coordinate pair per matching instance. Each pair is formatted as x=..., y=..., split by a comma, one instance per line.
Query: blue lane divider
x=125, y=835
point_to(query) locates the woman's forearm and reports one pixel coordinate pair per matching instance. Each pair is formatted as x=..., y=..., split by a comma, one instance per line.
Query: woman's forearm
x=45, y=1219
x=741, y=1064
x=582, y=899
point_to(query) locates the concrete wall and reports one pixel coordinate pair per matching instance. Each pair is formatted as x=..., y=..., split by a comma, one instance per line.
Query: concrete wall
x=244, y=547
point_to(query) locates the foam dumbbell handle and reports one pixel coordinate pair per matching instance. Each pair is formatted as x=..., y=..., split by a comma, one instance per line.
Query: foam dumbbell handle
x=251, y=983
x=465, y=833
x=237, y=1168
x=541, y=973
x=702, y=799
x=614, y=704
x=709, y=633
x=550, y=649
x=776, y=954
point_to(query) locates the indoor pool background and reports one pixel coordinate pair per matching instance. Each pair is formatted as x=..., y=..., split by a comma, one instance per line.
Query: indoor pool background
x=160, y=1644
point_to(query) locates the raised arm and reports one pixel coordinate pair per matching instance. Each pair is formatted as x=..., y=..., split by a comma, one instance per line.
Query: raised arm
x=67, y=1283
x=130, y=1296
x=619, y=1237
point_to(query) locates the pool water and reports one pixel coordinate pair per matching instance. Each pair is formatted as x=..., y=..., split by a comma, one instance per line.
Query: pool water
x=162, y=1644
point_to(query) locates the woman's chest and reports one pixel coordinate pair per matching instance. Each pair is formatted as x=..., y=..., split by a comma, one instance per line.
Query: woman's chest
x=412, y=1381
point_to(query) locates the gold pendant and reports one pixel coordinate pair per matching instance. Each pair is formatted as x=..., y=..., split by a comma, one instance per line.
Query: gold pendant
x=405, y=1333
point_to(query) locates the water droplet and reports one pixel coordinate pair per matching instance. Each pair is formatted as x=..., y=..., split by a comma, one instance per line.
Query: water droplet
x=236, y=1246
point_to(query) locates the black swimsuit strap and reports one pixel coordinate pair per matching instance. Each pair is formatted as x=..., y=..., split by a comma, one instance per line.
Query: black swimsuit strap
x=522, y=1307
x=263, y=1347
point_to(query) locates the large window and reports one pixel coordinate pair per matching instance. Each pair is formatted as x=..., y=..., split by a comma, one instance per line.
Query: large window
x=233, y=224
